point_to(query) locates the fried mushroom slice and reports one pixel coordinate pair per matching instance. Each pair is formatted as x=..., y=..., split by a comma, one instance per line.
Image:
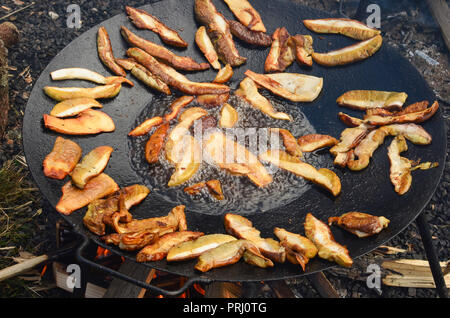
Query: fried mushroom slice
x=72, y=107
x=145, y=20
x=91, y=165
x=131, y=241
x=88, y=122
x=246, y=14
x=228, y=116
x=87, y=75
x=303, y=48
x=62, y=159
x=146, y=126
x=224, y=74
x=349, y=54
x=248, y=90
x=105, y=52
x=161, y=53
x=63, y=93
x=158, y=250
x=243, y=33
x=412, y=132
x=176, y=107
x=292, y=86
x=289, y=141
x=322, y=177
x=348, y=27
x=150, y=80
x=195, y=189
x=215, y=189
x=205, y=45
x=74, y=198
x=192, y=249
x=320, y=234
x=189, y=161
x=367, y=99
x=155, y=143
x=281, y=54
x=360, y=224
x=365, y=150
x=219, y=32
x=230, y=253
x=242, y=228
x=312, y=142
x=349, y=120
x=212, y=100
x=126, y=64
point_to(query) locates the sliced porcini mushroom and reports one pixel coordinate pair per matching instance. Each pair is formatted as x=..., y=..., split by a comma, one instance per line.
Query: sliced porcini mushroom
x=105, y=52
x=146, y=126
x=74, y=198
x=161, y=53
x=224, y=74
x=212, y=100
x=193, y=249
x=292, y=86
x=150, y=80
x=360, y=224
x=158, y=250
x=412, y=132
x=62, y=159
x=350, y=138
x=349, y=54
x=88, y=122
x=131, y=241
x=205, y=45
x=219, y=32
x=127, y=63
x=243, y=33
x=215, y=189
x=171, y=77
x=246, y=14
x=195, y=189
x=188, y=163
x=367, y=99
x=91, y=166
x=322, y=177
x=349, y=120
x=155, y=143
x=249, y=91
x=77, y=73
x=177, y=106
x=348, y=27
x=312, y=142
x=303, y=48
x=281, y=54
x=145, y=20
x=242, y=228
x=98, y=92
x=320, y=234
x=228, y=116
x=365, y=149
x=289, y=141
x=72, y=107
x=235, y=158
x=230, y=253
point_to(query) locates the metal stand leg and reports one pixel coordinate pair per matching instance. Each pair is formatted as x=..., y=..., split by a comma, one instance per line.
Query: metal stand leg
x=81, y=292
x=432, y=257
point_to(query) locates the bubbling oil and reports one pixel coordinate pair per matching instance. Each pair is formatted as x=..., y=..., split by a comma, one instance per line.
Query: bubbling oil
x=241, y=195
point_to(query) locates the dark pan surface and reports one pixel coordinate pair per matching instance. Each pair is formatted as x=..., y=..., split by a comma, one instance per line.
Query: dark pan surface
x=367, y=191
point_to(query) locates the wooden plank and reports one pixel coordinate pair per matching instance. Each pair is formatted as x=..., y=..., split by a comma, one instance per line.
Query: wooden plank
x=441, y=13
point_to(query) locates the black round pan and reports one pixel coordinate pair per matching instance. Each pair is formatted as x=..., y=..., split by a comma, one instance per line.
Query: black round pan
x=366, y=191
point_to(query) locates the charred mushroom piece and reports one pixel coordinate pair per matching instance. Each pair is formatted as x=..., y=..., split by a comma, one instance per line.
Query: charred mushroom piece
x=146, y=126
x=289, y=141
x=150, y=80
x=87, y=122
x=206, y=46
x=360, y=224
x=243, y=33
x=281, y=54
x=145, y=20
x=228, y=116
x=349, y=54
x=131, y=241
x=312, y=142
x=367, y=99
x=303, y=48
x=62, y=159
x=245, y=13
x=99, y=92
x=320, y=234
x=72, y=107
x=74, y=198
x=91, y=166
x=348, y=27
x=224, y=74
x=155, y=143
x=215, y=189
x=106, y=54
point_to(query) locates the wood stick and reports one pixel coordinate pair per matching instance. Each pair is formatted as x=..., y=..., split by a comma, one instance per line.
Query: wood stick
x=441, y=13
x=20, y=268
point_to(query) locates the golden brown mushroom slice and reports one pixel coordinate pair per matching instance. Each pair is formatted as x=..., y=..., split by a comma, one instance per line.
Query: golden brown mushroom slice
x=289, y=141
x=150, y=80
x=230, y=253
x=146, y=126
x=322, y=177
x=78, y=73
x=195, y=189
x=367, y=99
x=242, y=228
x=158, y=250
x=312, y=142
x=348, y=27
x=190, y=158
x=281, y=54
x=176, y=107
x=320, y=234
x=349, y=54
x=219, y=32
x=246, y=14
x=63, y=93
x=87, y=122
x=243, y=33
x=224, y=74
x=74, y=198
x=235, y=158
x=131, y=241
x=62, y=159
x=155, y=143
x=171, y=77
x=349, y=120
x=105, y=52
x=215, y=189
x=145, y=20
x=91, y=165
x=72, y=107
x=228, y=116
x=292, y=86
x=160, y=52
x=193, y=249
x=212, y=100
x=412, y=132
x=303, y=48
x=360, y=224
x=248, y=90
x=126, y=63
x=205, y=45
x=365, y=150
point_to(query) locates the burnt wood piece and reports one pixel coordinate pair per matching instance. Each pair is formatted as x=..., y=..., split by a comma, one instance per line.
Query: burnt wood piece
x=281, y=289
x=322, y=285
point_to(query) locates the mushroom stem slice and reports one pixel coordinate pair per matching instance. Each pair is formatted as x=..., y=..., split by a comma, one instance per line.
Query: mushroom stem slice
x=99, y=92
x=91, y=165
x=360, y=224
x=312, y=142
x=152, y=81
x=146, y=126
x=289, y=141
x=367, y=99
x=72, y=107
x=251, y=37
x=228, y=116
x=106, y=54
x=62, y=159
x=205, y=45
x=347, y=27
x=246, y=14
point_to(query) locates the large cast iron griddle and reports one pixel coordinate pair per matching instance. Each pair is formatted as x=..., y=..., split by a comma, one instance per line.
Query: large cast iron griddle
x=367, y=191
